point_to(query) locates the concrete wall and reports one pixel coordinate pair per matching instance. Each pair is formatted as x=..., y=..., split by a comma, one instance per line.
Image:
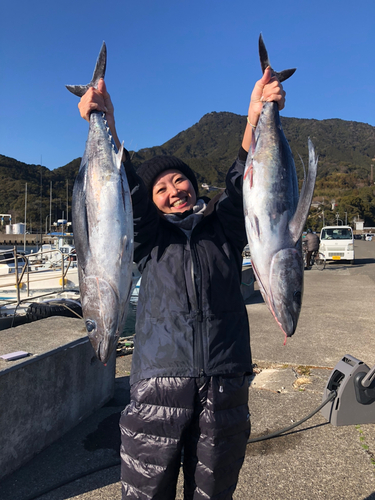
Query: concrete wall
x=44, y=395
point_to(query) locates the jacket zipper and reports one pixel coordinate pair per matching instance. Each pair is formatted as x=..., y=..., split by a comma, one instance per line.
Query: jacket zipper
x=198, y=340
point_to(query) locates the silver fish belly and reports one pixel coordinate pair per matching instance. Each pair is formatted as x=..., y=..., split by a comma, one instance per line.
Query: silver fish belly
x=103, y=233
x=275, y=216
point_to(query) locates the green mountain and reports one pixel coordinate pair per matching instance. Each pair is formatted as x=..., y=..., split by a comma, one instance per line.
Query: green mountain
x=212, y=144
x=346, y=152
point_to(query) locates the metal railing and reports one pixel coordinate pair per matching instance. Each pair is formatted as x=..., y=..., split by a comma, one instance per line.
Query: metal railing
x=23, y=273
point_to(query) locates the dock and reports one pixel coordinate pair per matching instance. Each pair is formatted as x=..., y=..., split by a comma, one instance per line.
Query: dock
x=314, y=461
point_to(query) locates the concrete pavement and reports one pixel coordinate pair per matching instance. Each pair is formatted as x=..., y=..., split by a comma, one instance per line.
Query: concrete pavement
x=314, y=461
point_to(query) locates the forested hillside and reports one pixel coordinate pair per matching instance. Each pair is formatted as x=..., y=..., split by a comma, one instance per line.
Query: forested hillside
x=346, y=152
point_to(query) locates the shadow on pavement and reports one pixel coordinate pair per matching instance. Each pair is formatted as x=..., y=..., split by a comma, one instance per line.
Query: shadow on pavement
x=59, y=470
x=363, y=262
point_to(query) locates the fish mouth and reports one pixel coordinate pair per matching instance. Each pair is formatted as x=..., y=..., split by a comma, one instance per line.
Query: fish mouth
x=105, y=349
x=103, y=352
x=283, y=316
x=268, y=299
x=286, y=286
x=287, y=322
x=101, y=312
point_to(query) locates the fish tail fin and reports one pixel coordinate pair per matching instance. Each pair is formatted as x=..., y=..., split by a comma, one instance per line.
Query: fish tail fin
x=99, y=73
x=265, y=62
x=284, y=74
x=297, y=223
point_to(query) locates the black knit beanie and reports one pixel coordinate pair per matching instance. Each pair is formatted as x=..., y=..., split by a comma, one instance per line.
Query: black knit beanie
x=150, y=169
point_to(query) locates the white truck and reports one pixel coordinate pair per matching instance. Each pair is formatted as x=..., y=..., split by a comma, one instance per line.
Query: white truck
x=337, y=243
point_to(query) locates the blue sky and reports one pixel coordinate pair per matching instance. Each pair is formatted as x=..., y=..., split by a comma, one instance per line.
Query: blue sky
x=172, y=61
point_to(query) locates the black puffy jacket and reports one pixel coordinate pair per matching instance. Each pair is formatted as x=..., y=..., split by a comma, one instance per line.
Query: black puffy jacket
x=191, y=317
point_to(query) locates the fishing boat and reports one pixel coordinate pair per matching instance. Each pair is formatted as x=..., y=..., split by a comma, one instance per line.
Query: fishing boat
x=22, y=277
x=46, y=286
x=62, y=243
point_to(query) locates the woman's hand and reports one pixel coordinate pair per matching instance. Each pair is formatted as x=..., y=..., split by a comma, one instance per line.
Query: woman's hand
x=95, y=100
x=99, y=100
x=267, y=89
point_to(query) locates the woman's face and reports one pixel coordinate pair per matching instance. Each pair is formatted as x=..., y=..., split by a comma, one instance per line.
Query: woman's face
x=173, y=192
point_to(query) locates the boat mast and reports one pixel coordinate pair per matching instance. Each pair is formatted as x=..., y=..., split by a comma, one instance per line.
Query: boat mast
x=50, y=206
x=67, y=202
x=24, y=234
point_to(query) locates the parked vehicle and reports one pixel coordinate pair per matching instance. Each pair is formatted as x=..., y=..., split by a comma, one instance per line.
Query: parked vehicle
x=337, y=243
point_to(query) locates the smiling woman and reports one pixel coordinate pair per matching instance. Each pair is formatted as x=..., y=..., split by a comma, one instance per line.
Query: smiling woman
x=173, y=192
x=163, y=175
x=192, y=353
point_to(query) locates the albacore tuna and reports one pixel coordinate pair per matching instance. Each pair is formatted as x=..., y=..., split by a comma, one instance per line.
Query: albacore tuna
x=275, y=214
x=103, y=230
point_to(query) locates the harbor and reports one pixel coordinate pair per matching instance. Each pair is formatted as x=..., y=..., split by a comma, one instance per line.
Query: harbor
x=313, y=461
x=40, y=283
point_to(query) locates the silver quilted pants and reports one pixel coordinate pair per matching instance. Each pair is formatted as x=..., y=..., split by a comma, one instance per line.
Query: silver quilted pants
x=202, y=422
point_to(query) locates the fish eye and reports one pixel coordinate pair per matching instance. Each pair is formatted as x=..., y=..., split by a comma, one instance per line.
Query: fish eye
x=297, y=297
x=90, y=325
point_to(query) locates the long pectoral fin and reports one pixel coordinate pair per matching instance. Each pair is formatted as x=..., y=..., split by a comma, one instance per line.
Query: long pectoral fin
x=298, y=221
